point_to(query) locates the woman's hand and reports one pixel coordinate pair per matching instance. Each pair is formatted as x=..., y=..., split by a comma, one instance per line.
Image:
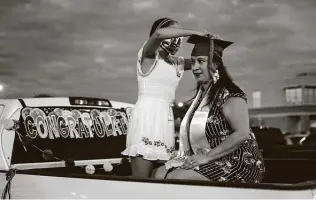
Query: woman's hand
x=194, y=161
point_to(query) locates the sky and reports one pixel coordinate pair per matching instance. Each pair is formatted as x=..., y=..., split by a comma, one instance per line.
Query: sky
x=89, y=47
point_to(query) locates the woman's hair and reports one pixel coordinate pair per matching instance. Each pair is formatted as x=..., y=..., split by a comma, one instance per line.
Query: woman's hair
x=161, y=23
x=224, y=81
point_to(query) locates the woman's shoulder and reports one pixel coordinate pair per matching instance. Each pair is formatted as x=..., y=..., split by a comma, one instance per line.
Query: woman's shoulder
x=233, y=92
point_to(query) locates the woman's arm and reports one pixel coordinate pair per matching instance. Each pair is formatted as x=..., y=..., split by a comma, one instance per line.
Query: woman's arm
x=236, y=112
x=150, y=48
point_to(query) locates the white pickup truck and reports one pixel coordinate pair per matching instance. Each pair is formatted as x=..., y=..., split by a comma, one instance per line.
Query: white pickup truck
x=71, y=147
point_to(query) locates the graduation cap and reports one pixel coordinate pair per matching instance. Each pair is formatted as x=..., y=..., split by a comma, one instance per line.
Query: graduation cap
x=203, y=45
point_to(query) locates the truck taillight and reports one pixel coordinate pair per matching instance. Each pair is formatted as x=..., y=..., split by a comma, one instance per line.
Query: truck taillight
x=81, y=102
x=84, y=101
x=102, y=103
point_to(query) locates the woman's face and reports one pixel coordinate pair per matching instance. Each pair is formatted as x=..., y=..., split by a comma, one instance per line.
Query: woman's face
x=201, y=71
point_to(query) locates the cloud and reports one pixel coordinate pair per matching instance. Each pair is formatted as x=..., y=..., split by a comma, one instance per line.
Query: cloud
x=141, y=5
x=80, y=47
x=191, y=15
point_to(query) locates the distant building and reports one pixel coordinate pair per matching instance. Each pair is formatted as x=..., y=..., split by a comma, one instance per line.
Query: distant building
x=291, y=107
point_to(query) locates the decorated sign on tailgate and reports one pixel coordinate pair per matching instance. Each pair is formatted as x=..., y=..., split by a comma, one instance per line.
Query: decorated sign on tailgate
x=80, y=133
x=54, y=123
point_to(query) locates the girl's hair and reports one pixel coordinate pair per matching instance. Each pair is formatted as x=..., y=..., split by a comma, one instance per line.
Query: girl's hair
x=161, y=23
x=224, y=81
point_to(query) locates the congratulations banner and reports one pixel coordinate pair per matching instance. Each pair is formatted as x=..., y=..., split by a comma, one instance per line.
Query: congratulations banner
x=54, y=123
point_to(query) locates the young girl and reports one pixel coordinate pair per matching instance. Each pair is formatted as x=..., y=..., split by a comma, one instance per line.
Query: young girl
x=151, y=127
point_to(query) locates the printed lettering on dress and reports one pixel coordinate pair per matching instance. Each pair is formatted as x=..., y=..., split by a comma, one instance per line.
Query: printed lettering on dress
x=55, y=123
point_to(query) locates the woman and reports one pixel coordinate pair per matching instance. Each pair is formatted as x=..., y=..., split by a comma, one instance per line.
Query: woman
x=150, y=136
x=216, y=142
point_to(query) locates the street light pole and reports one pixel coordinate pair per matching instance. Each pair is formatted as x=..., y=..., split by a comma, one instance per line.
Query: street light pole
x=1, y=91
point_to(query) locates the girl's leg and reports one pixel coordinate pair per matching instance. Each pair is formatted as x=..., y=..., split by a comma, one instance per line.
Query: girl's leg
x=141, y=168
x=160, y=172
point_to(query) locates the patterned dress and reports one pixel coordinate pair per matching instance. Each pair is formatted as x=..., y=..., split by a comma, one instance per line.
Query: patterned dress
x=244, y=164
x=151, y=125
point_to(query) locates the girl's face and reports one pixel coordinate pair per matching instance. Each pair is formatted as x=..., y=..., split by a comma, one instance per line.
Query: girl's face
x=172, y=45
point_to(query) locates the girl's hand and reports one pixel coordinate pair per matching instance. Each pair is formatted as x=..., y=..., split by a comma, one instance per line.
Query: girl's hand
x=212, y=35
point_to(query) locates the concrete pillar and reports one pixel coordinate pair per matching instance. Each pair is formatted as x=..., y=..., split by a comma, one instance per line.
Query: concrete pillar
x=304, y=124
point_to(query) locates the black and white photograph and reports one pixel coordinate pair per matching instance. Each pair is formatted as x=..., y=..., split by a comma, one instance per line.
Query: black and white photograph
x=156, y=99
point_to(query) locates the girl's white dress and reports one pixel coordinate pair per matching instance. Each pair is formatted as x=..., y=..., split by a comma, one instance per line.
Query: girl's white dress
x=151, y=125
